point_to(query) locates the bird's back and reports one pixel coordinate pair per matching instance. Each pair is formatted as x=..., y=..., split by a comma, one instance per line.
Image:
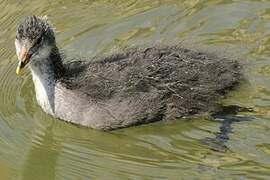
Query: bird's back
x=146, y=85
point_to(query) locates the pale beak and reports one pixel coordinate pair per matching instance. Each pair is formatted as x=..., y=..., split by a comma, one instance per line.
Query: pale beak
x=23, y=59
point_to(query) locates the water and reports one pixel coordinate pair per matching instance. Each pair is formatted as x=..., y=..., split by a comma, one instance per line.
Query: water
x=35, y=146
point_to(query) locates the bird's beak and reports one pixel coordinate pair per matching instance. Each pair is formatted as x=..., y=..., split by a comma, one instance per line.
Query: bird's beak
x=23, y=59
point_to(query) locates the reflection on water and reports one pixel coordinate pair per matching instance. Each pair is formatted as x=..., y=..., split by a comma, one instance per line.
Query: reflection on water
x=36, y=146
x=47, y=152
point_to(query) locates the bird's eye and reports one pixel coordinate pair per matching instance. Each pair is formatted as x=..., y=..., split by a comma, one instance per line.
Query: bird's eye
x=39, y=41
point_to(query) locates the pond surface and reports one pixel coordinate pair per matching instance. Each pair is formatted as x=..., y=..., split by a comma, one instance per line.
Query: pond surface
x=35, y=146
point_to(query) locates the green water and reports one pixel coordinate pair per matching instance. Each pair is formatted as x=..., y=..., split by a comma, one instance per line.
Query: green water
x=34, y=146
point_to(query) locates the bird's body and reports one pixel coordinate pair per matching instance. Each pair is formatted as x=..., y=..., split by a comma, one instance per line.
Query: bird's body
x=131, y=88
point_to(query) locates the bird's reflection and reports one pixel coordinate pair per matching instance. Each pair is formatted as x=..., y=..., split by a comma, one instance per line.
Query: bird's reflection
x=42, y=158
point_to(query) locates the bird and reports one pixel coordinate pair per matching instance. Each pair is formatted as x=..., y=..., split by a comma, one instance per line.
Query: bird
x=132, y=87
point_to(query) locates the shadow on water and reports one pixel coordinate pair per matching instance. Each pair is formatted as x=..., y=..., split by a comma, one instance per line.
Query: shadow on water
x=227, y=116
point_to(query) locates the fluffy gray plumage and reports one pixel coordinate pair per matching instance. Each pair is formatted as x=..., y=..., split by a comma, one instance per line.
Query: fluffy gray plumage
x=125, y=89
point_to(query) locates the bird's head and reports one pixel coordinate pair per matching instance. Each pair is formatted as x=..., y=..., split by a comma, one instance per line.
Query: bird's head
x=34, y=41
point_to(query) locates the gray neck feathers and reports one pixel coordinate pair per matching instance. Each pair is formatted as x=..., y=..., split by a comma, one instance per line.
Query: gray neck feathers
x=46, y=69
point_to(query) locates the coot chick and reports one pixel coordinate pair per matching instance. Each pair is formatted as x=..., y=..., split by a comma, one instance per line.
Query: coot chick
x=125, y=89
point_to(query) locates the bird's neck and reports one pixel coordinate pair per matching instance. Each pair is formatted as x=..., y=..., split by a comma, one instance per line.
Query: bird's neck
x=46, y=69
